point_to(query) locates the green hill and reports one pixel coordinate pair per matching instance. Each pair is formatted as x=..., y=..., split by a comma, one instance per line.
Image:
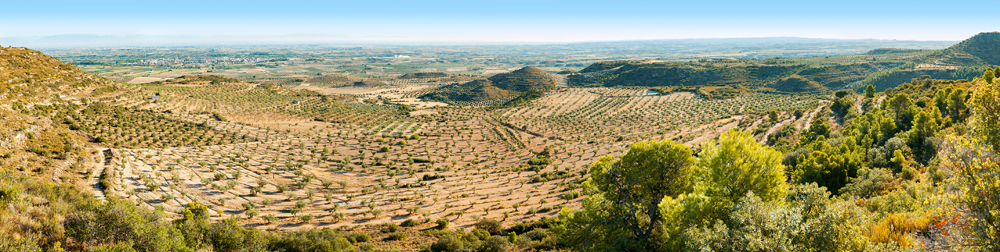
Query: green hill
x=474, y=91
x=884, y=68
x=774, y=76
x=965, y=60
x=982, y=49
x=525, y=79
x=523, y=83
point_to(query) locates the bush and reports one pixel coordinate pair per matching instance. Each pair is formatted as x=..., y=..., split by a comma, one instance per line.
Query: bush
x=410, y=223
x=391, y=228
x=480, y=233
x=495, y=244
x=448, y=243
x=366, y=247
x=570, y=195
x=310, y=240
x=358, y=237
x=895, y=228
x=229, y=235
x=489, y=225
x=538, y=234
x=120, y=247
x=431, y=177
x=397, y=237
x=526, y=227
x=896, y=201
x=442, y=224
x=894, y=144
x=120, y=221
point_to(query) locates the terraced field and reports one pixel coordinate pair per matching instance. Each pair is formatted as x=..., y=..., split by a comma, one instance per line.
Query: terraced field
x=320, y=158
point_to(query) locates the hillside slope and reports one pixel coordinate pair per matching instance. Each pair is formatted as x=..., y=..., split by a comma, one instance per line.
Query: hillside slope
x=525, y=83
x=982, y=49
x=525, y=79
x=883, y=68
x=28, y=76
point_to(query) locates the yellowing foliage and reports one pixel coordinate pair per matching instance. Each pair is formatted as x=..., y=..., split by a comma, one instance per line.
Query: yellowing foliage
x=896, y=228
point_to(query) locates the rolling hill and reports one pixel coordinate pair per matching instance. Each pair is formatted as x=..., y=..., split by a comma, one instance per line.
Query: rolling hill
x=525, y=79
x=883, y=68
x=498, y=88
x=31, y=76
x=982, y=49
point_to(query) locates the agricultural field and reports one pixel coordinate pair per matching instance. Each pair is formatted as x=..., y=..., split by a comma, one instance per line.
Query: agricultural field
x=361, y=156
x=323, y=157
x=412, y=156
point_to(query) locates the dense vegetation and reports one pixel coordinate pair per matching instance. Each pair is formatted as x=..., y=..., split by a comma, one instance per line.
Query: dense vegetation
x=501, y=90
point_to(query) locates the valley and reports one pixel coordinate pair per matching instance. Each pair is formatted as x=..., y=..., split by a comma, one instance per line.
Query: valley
x=409, y=153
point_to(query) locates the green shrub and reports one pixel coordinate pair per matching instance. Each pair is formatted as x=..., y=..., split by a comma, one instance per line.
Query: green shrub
x=480, y=233
x=492, y=226
x=119, y=221
x=528, y=226
x=869, y=183
x=120, y=247
x=310, y=240
x=538, y=234
x=448, y=243
x=397, y=237
x=229, y=235
x=897, y=201
x=495, y=244
x=391, y=228
x=358, y=237
x=366, y=247
x=442, y=224
x=410, y=223
x=570, y=195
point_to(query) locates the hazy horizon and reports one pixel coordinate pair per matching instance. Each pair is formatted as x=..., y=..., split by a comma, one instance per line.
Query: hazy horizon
x=141, y=40
x=495, y=22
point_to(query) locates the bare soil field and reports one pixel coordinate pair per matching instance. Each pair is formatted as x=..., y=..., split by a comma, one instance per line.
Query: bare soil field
x=141, y=80
x=300, y=162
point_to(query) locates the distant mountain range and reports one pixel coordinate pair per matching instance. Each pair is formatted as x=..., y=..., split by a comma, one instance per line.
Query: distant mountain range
x=92, y=40
x=806, y=46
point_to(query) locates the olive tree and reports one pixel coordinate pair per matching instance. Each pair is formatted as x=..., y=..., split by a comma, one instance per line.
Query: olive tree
x=622, y=212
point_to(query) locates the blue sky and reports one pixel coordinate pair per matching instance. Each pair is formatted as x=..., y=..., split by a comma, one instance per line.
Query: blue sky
x=527, y=21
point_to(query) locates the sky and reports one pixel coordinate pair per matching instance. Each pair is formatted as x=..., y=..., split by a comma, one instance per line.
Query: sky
x=505, y=21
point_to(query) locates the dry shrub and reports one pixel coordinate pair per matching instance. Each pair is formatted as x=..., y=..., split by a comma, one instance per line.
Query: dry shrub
x=896, y=228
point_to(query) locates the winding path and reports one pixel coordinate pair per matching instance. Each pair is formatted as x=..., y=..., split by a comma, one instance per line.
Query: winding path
x=95, y=176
